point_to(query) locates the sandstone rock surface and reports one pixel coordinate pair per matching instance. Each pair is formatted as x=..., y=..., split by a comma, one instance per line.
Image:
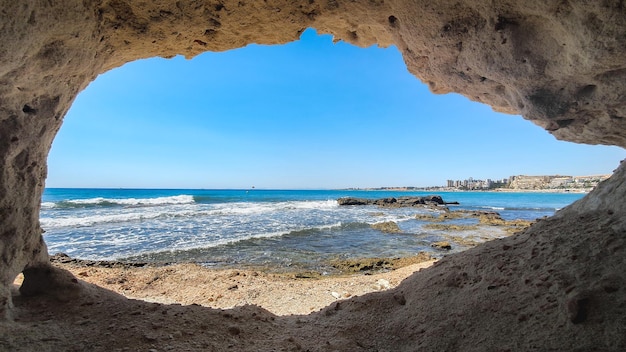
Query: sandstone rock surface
x=560, y=64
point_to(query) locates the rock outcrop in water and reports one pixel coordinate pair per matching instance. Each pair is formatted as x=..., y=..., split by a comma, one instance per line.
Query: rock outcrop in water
x=393, y=202
x=562, y=65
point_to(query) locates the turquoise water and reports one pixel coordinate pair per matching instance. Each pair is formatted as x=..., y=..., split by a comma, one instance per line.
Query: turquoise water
x=289, y=228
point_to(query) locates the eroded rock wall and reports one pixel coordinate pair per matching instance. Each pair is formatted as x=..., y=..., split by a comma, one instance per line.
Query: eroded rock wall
x=560, y=64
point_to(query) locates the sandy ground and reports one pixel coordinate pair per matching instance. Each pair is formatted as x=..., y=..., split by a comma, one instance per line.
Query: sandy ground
x=186, y=307
x=280, y=294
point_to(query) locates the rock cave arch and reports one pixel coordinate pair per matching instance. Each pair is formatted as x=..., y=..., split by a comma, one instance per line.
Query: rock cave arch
x=560, y=64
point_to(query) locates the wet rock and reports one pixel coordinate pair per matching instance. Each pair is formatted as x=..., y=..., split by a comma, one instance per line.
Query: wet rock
x=451, y=227
x=63, y=258
x=387, y=226
x=378, y=264
x=488, y=217
x=353, y=201
x=442, y=245
x=427, y=217
x=452, y=215
x=464, y=241
x=406, y=261
x=399, y=202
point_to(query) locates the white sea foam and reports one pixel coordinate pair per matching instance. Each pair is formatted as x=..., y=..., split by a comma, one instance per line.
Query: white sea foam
x=330, y=226
x=244, y=208
x=494, y=208
x=214, y=242
x=223, y=214
x=180, y=199
x=250, y=208
x=322, y=204
x=217, y=240
x=91, y=220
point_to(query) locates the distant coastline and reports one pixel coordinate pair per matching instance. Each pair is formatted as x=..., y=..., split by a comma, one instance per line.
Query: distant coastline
x=513, y=184
x=446, y=189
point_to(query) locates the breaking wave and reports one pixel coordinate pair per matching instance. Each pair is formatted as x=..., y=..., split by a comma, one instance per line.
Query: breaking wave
x=125, y=202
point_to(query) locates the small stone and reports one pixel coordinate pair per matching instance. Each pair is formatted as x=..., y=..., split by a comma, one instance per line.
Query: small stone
x=335, y=294
x=382, y=284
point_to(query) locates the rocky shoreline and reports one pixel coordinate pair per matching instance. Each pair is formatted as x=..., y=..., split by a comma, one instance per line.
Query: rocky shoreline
x=365, y=265
x=454, y=235
x=393, y=202
x=456, y=231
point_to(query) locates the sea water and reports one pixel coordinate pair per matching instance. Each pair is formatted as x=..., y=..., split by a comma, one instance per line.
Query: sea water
x=284, y=228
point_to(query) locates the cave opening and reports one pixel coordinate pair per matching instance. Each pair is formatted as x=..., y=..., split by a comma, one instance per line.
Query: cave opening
x=152, y=143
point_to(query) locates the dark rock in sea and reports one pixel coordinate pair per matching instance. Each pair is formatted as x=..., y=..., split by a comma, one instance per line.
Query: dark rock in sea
x=66, y=259
x=354, y=201
x=488, y=217
x=395, y=202
x=443, y=245
x=61, y=258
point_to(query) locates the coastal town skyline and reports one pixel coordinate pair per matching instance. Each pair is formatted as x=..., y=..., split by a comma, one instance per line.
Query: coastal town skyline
x=515, y=182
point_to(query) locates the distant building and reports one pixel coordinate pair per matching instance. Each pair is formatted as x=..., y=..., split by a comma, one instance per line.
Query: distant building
x=529, y=182
x=524, y=182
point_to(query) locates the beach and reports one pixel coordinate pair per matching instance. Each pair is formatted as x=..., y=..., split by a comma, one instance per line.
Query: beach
x=280, y=294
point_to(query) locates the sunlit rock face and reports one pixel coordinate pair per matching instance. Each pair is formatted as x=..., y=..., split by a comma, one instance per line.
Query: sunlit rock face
x=561, y=64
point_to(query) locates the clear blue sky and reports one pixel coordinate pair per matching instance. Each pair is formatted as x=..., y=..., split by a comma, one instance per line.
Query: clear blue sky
x=309, y=114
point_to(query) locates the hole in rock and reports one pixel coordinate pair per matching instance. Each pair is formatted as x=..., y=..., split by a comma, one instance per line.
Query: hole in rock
x=235, y=161
x=393, y=20
x=29, y=110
